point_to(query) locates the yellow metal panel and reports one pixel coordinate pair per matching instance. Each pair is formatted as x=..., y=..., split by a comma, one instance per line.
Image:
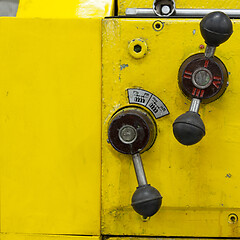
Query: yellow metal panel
x=200, y=183
x=50, y=126
x=11, y=236
x=65, y=9
x=123, y=4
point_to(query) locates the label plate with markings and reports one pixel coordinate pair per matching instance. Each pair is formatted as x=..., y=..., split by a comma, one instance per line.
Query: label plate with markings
x=148, y=100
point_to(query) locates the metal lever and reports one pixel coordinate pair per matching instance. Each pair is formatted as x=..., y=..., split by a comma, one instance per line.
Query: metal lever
x=132, y=131
x=216, y=28
x=167, y=8
x=146, y=200
x=139, y=170
x=179, y=13
x=195, y=104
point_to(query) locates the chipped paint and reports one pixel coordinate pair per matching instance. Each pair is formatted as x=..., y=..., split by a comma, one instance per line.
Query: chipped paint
x=229, y=175
x=122, y=66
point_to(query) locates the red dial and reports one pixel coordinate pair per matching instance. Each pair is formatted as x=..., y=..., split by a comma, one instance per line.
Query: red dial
x=203, y=78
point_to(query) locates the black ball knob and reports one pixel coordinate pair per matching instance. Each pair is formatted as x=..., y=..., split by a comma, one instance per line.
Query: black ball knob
x=216, y=28
x=146, y=200
x=189, y=128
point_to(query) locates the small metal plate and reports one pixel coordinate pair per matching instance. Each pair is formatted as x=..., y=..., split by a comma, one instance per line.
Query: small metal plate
x=148, y=100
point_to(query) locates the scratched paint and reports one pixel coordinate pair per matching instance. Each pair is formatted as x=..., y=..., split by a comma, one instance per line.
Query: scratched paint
x=229, y=175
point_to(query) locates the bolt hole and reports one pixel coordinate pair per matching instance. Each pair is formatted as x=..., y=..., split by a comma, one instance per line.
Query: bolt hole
x=232, y=218
x=137, y=48
x=158, y=25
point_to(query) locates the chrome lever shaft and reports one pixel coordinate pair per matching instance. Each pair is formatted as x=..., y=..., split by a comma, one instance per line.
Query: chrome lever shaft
x=180, y=12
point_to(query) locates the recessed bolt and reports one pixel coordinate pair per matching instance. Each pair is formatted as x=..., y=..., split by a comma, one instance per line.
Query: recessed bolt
x=232, y=218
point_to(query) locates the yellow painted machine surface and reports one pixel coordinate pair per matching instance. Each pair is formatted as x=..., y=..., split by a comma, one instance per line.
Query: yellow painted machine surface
x=50, y=156
x=199, y=183
x=65, y=9
x=64, y=82
x=12, y=236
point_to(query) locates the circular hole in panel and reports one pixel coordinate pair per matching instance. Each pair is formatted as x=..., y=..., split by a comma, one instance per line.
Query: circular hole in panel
x=137, y=48
x=232, y=218
x=158, y=25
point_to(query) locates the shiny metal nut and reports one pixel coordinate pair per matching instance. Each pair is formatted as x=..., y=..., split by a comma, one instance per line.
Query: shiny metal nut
x=127, y=134
x=202, y=78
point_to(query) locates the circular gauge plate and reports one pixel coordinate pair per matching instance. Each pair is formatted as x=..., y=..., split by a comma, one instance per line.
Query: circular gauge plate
x=203, y=78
